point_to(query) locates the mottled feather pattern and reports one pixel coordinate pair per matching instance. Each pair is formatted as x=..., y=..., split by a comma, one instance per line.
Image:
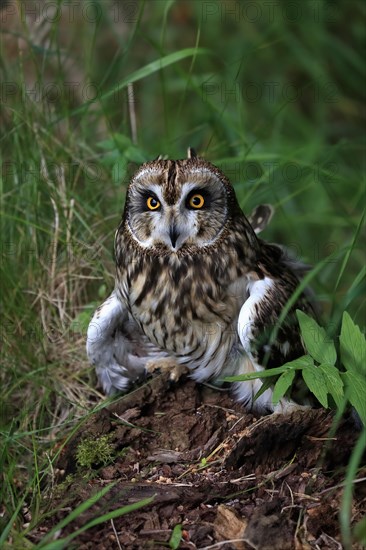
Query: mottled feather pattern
x=194, y=283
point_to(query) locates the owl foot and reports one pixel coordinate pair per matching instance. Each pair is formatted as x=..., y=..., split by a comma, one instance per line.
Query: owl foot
x=287, y=406
x=168, y=364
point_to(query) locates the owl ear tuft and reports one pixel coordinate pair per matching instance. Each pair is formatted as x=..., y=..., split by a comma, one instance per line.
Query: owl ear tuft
x=191, y=153
x=260, y=217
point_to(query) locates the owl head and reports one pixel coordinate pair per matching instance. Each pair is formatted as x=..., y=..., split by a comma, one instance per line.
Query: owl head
x=179, y=205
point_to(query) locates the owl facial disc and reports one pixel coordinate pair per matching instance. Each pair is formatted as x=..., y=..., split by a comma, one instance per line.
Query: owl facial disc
x=177, y=205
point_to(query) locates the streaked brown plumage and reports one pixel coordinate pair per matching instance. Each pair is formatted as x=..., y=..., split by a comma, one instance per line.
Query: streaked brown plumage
x=194, y=283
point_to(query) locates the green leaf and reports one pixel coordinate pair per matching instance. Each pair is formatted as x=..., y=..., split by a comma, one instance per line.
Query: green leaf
x=360, y=531
x=282, y=385
x=110, y=157
x=65, y=542
x=134, y=154
x=333, y=382
x=141, y=73
x=9, y=526
x=266, y=384
x=356, y=392
x=102, y=291
x=316, y=340
x=81, y=322
x=107, y=144
x=316, y=383
x=176, y=537
x=353, y=345
x=300, y=363
x=85, y=505
x=122, y=141
x=345, y=512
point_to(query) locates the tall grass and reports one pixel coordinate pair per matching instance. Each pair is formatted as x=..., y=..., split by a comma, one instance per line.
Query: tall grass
x=273, y=95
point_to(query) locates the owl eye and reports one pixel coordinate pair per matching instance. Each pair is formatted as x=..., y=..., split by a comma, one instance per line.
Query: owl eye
x=152, y=203
x=196, y=201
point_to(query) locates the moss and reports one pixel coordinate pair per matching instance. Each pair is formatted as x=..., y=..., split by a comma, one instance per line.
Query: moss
x=96, y=452
x=63, y=486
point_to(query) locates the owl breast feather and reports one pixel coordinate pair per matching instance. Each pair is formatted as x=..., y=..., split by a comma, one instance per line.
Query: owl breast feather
x=188, y=307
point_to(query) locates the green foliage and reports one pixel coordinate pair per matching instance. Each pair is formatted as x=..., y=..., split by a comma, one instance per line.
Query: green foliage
x=119, y=151
x=95, y=451
x=345, y=514
x=316, y=340
x=81, y=321
x=316, y=383
x=320, y=372
x=176, y=537
x=353, y=346
x=65, y=161
x=283, y=384
x=62, y=544
x=360, y=531
x=333, y=381
x=356, y=391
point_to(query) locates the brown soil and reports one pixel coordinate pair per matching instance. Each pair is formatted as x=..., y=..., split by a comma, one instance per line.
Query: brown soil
x=265, y=483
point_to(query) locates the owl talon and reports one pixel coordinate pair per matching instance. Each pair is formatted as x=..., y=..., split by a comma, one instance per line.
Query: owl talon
x=167, y=365
x=287, y=406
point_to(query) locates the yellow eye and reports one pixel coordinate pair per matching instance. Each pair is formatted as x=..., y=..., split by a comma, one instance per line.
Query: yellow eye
x=152, y=203
x=196, y=201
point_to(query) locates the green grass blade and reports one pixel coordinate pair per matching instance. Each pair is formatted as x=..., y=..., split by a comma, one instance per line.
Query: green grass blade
x=351, y=474
x=350, y=250
x=63, y=543
x=144, y=72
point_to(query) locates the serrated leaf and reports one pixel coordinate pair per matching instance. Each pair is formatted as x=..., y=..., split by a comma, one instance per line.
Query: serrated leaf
x=134, y=154
x=316, y=383
x=356, y=392
x=316, y=340
x=282, y=385
x=353, y=345
x=333, y=382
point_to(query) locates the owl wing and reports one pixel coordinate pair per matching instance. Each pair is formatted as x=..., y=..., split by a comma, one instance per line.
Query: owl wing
x=116, y=346
x=258, y=318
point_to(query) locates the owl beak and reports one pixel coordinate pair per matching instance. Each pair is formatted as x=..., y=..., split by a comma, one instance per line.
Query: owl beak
x=173, y=235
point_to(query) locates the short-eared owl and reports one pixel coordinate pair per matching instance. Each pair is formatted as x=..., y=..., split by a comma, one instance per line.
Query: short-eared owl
x=194, y=285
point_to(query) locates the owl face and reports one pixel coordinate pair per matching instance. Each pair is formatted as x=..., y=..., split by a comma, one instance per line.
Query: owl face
x=176, y=205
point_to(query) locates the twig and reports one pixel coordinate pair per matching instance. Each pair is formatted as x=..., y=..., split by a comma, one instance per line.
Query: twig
x=116, y=535
x=132, y=112
x=218, y=544
x=340, y=485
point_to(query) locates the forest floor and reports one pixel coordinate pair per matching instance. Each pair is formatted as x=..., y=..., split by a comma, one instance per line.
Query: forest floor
x=274, y=482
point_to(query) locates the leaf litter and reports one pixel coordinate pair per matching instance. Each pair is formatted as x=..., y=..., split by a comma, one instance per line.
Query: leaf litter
x=227, y=478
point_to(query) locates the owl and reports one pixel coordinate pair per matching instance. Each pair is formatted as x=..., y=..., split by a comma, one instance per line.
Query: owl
x=195, y=286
